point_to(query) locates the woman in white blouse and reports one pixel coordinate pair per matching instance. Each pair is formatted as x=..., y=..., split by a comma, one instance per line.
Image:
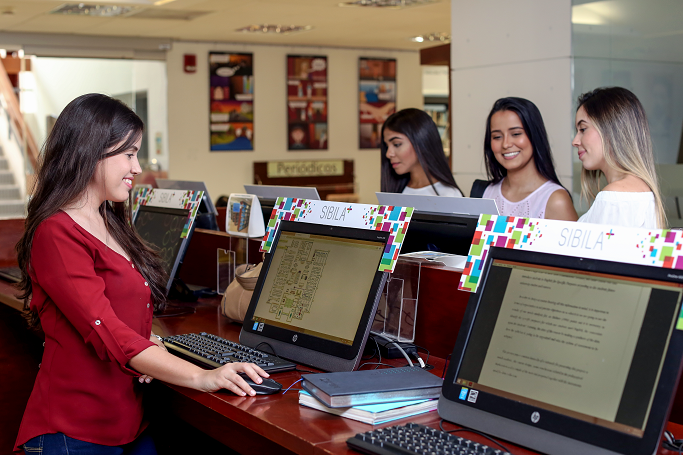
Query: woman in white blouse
x=613, y=139
x=413, y=160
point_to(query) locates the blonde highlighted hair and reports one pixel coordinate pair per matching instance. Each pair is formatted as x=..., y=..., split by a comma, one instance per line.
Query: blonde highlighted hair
x=622, y=124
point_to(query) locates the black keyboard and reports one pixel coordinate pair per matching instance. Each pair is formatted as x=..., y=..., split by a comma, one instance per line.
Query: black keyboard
x=212, y=351
x=413, y=438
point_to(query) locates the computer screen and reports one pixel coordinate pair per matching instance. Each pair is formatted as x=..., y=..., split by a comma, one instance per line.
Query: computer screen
x=316, y=295
x=161, y=228
x=447, y=233
x=444, y=224
x=206, y=213
x=567, y=355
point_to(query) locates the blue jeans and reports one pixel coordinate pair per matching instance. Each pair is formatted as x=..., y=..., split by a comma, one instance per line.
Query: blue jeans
x=61, y=444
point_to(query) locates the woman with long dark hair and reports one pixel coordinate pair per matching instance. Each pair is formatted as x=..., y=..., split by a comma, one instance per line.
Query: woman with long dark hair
x=413, y=160
x=92, y=284
x=613, y=139
x=519, y=163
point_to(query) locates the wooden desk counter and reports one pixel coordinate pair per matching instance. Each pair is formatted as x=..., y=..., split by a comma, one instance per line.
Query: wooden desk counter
x=265, y=424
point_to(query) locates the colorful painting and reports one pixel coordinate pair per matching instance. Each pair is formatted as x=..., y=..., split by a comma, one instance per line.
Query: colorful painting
x=232, y=101
x=377, y=98
x=306, y=102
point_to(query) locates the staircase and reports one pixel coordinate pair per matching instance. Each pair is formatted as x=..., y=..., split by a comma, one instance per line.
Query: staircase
x=11, y=203
x=18, y=152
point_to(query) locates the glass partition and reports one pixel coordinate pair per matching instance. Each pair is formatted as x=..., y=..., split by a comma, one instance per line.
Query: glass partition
x=639, y=46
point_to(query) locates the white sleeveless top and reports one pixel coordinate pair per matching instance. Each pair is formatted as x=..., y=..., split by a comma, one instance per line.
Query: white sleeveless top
x=532, y=206
x=444, y=190
x=619, y=208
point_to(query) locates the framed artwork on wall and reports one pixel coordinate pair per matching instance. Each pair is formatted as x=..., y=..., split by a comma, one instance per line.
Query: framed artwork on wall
x=306, y=102
x=377, y=98
x=232, y=101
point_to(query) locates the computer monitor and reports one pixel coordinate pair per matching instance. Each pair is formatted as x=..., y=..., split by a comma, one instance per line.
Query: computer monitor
x=162, y=228
x=440, y=204
x=317, y=294
x=444, y=224
x=268, y=194
x=567, y=355
x=206, y=213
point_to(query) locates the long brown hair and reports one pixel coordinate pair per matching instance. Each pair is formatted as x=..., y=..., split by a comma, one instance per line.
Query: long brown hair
x=423, y=135
x=621, y=121
x=91, y=128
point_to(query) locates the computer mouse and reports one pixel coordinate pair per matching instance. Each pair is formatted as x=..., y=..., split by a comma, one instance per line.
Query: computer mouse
x=267, y=387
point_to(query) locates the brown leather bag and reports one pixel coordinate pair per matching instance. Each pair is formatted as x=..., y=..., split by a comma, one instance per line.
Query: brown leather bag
x=238, y=294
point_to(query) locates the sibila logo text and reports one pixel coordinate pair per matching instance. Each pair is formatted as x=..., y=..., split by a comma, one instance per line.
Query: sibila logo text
x=581, y=238
x=333, y=213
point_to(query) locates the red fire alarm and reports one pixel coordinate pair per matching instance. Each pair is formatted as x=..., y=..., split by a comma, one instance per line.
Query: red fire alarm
x=190, y=63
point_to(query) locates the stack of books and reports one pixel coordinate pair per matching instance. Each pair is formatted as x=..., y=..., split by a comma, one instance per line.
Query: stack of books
x=372, y=396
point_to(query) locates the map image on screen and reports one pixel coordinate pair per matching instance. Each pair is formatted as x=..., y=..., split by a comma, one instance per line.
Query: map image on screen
x=296, y=280
x=319, y=285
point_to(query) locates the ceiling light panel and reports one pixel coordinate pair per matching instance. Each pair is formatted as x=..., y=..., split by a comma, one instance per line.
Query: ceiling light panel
x=432, y=37
x=84, y=9
x=274, y=29
x=396, y=4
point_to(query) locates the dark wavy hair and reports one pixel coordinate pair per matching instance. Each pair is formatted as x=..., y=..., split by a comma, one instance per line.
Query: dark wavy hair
x=91, y=128
x=423, y=135
x=533, y=125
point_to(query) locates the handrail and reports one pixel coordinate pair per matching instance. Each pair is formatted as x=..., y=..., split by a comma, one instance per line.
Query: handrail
x=16, y=119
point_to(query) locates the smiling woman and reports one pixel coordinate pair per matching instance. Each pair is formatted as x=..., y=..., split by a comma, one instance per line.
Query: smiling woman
x=92, y=284
x=613, y=139
x=520, y=164
x=413, y=160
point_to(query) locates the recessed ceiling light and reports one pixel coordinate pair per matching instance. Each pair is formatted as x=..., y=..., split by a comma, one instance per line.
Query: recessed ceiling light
x=432, y=37
x=388, y=3
x=84, y=9
x=276, y=29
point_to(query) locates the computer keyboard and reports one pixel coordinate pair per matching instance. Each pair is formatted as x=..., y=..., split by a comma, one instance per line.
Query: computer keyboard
x=413, y=438
x=212, y=351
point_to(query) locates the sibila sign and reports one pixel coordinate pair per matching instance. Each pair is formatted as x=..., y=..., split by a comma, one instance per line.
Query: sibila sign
x=392, y=219
x=308, y=168
x=654, y=247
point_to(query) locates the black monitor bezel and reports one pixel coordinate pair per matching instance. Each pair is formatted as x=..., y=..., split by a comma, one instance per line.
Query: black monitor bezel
x=306, y=341
x=575, y=429
x=183, y=244
x=458, y=228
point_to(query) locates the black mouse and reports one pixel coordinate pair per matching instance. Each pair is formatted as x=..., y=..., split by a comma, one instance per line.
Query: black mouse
x=267, y=387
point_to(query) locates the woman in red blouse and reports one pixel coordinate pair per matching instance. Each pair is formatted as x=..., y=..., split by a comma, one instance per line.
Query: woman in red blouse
x=93, y=285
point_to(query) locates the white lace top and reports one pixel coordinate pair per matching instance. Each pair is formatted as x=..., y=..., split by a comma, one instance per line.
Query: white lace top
x=444, y=190
x=532, y=206
x=619, y=208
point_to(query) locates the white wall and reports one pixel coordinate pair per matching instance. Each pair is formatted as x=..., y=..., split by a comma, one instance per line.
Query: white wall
x=504, y=48
x=227, y=172
x=60, y=80
x=435, y=80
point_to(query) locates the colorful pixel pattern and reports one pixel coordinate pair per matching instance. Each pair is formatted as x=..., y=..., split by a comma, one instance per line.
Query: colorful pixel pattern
x=658, y=248
x=189, y=200
x=377, y=217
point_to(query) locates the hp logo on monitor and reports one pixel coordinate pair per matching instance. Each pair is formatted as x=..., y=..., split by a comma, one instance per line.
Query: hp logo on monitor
x=535, y=417
x=294, y=338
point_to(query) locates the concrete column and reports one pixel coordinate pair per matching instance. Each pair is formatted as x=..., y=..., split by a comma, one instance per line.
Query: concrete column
x=505, y=48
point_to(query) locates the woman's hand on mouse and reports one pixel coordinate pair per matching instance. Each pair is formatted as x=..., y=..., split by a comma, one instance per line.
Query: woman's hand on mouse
x=227, y=377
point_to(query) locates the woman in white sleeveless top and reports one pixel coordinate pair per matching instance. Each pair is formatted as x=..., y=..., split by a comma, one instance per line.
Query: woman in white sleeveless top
x=413, y=161
x=520, y=164
x=613, y=139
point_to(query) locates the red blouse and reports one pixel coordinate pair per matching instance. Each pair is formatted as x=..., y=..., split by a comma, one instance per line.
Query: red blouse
x=96, y=311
